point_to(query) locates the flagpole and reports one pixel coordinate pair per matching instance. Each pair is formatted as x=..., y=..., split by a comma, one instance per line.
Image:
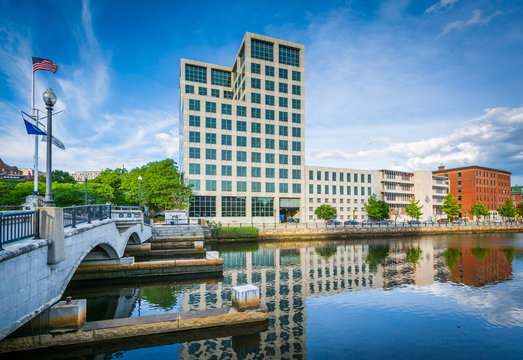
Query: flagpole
x=35, y=174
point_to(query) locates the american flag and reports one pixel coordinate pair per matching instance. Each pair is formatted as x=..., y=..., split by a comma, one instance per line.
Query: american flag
x=44, y=64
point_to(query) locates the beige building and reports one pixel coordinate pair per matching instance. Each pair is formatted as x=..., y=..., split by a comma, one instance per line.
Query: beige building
x=430, y=190
x=80, y=176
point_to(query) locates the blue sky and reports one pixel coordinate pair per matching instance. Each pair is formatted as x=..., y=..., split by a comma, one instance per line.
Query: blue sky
x=389, y=84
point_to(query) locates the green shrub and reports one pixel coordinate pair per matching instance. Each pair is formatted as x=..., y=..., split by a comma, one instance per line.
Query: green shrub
x=235, y=232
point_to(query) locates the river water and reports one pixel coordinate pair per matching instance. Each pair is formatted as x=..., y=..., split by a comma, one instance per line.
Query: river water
x=430, y=297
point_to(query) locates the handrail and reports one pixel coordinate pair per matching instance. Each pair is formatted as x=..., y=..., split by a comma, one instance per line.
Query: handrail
x=18, y=225
x=75, y=215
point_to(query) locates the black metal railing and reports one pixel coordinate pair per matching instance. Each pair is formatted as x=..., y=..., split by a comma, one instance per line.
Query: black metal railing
x=75, y=215
x=18, y=225
x=118, y=207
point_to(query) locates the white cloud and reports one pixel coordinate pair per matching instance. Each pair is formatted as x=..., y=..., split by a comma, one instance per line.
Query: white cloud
x=440, y=5
x=475, y=19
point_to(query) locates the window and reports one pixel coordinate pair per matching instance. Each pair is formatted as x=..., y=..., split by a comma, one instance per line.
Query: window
x=341, y=192
x=241, y=156
x=269, y=85
x=269, y=187
x=202, y=91
x=194, y=105
x=296, y=118
x=256, y=142
x=262, y=50
x=341, y=179
x=194, y=120
x=256, y=172
x=333, y=176
x=195, y=184
x=241, y=140
x=241, y=126
x=311, y=175
x=284, y=188
x=194, y=153
x=348, y=190
x=210, y=107
x=284, y=116
x=210, y=138
x=241, y=171
x=226, y=109
x=284, y=88
x=226, y=170
x=311, y=189
x=255, y=83
x=348, y=177
x=269, y=143
x=256, y=128
x=255, y=68
x=459, y=182
x=195, y=73
x=459, y=189
x=227, y=94
x=296, y=104
x=369, y=191
x=296, y=132
x=210, y=185
x=296, y=146
x=194, y=136
x=369, y=178
x=227, y=155
x=269, y=173
x=355, y=190
x=241, y=110
x=210, y=123
x=189, y=89
x=256, y=157
x=256, y=186
x=210, y=154
x=269, y=100
x=226, y=185
x=355, y=177
x=283, y=130
x=296, y=174
x=220, y=77
x=241, y=186
x=256, y=113
x=283, y=73
x=296, y=75
x=283, y=101
x=269, y=70
x=296, y=160
x=318, y=189
x=226, y=124
x=269, y=158
x=255, y=98
x=284, y=159
x=203, y=206
x=269, y=114
x=215, y=93
x=283, y=173
x=326, y=189
x=210, y=169
x=296, y=90
x=362, y=178
x=269, y=129
x=296, y=188
x=288, y=55
x=318, y=175
x=262, y=206
x=459, y=174
x=362, y=191
x=194, y=169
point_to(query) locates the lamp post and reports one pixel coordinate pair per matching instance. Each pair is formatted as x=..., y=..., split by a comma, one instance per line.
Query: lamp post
x=140, y=192
x=85, y=180
x=49, y=100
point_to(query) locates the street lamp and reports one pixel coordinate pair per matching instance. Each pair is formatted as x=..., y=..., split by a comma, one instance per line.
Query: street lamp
x=49, y=100
x=140, y=192
x=85, y=180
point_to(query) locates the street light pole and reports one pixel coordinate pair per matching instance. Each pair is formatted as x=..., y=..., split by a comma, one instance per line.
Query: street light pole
x=85, y=179
x=49, y=100
x=140, y=192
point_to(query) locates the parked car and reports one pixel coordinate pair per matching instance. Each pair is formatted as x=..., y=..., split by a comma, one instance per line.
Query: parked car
x=382, y=222
x=443, y=221
x=414, y=222
x=351, y=222
x=429, y=222
x=498, y=221
x=333, y=222
x=458, y=222
x=366, y=222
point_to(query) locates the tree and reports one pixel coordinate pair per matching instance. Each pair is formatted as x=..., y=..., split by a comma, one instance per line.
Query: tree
x=62, y=177
x=376, y=256
x=376, y=209
x=452, y=257
x=413, y=255
x=507, y=210
x=414, y=208
x=450, y=206
x=325, y=212
x=519, y=209
x=479, y=209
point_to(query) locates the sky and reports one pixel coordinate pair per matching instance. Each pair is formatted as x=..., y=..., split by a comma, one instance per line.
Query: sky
x=397, y=84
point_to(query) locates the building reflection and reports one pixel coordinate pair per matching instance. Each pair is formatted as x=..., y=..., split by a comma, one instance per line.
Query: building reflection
x=287, y=276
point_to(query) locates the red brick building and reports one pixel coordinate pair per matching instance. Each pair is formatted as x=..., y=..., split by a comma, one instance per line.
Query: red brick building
x=7, y=171
x=471, y=184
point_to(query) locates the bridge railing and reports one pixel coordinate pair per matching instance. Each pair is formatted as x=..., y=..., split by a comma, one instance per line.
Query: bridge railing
x=18, y=225
x=75, y=215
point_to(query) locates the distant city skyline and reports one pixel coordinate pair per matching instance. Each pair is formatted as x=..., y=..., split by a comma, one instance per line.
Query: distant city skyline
x=405, y=85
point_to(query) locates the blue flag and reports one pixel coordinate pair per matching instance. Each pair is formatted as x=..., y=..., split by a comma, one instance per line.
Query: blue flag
x=33, y=129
